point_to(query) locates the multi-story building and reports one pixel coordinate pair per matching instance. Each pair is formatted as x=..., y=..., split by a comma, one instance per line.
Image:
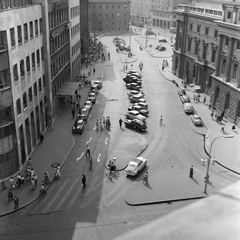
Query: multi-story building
x=140, y=10
x=109, y=15
x=22, y=82
x=207, y=52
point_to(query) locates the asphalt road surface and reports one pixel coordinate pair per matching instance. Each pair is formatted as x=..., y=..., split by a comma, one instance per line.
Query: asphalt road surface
x=70, y=212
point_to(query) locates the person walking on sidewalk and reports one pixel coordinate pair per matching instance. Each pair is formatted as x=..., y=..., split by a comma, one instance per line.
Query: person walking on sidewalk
x=222, y=128
x=11, y=183
x=88, y=151
x=191, y=172
x=3, y=184
x=233, y=127
x=84, y=180
x=145, y=178
x=16, y=200
x=41, y=138
x=94, y=70
x=161, y=120
x=73, y=113
x=120, y=122
x=10, y=195
x=204, y=99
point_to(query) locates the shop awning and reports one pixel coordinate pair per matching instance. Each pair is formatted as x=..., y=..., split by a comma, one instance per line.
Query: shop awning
x=68, y=89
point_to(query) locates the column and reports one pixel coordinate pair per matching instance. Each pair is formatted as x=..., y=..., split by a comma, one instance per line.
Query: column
x=238, y=76
x=229, y=59
x=219, y=50
x=177, y=35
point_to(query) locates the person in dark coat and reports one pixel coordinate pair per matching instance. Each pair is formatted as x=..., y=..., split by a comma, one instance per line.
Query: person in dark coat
x=191, y=172
x=84, y=180
x=16, y=200
x=120, y=122
x=41, y=138
x=10, y=195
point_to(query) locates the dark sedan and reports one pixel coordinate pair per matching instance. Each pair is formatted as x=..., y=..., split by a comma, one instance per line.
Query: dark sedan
x=133, y=86
x=78, y=126
x=162, y=40
x=135, y=124
x=162, y=48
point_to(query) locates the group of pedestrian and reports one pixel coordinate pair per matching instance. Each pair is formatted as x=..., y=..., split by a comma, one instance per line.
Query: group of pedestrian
x=112, y=167
x=104, y=122
x=15, y=199
x=125, y=66
x=196, y=98
x=20, y=180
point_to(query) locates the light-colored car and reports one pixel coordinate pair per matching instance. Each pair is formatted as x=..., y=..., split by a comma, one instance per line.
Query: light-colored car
x=143, y=105
x=137, y=98
x=140, y=109
x=197, y=120
x=98, y=83
x=188, y=108
x=133, y=86
x=135, y=92
x=135, y=166
x=88, y=104
x=92, y=97
x=185, y=99
x=135, y=115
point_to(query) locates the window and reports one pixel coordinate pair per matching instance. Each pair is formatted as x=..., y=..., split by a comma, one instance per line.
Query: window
x=25, y=32
x=106, y=6
x=206, y=31
x=44, y=80
x=198, y=28
x=238, y=43
x=235, y=68
x=216, y=33
x=3, y=79
x=36, y=27
x=38, y=57
x=189, y=45
x=229, y=15
x=24, y=100
x=6, y=145
x=31, y=29
x=213, y=55
x=42, y=55
x=2, y=40
x=30, y=96
x=196, y=48
x=12, y=35
x=33, y=60
x=18, y=105
x=227, y=41
x=19, y=30
x=35, y=89
x=15, y=72
x=40, y=84
x=40, y=23
x=28, y=63
x=224, y=65
x=22, y=68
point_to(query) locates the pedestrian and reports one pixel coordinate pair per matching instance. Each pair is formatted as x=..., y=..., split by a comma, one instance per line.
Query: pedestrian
x=84, y=180
x=11, y=183
x=29, y=162
x=131, y=66
x=18, y=180
x=94, y=71
x=3, y=184
x=16, y=200
x=41, y=137
x=204, y=99
x=233, y=127
x=145, y=178
x=35, y=179
x=140, y=69
x=22, y=180
x=191, y=172
x=161, y=120
x=166, y=62
x=73, y=112
x=32, y=188
x=163, y=67
x=51, y=125
x=10, y=195
x=88, y=151
x=120, y=122
x=212, y=114
x=222, y=128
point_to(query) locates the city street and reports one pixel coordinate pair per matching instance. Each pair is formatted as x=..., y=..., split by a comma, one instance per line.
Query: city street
x=100, y=211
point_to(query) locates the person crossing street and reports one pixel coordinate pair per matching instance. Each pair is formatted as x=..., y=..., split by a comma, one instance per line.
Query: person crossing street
x=84, y=180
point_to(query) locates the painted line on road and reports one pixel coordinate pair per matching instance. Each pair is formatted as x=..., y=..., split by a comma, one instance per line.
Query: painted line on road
x=98, y=159
x=67, y=194
x=80, y=157
x=89, y=140
x=55, y=197
x=94, y=128
x=106, y=141
x=74, y=198
x=97, y=102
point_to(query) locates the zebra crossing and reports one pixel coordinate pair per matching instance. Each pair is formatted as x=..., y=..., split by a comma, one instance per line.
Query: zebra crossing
x=68, y=191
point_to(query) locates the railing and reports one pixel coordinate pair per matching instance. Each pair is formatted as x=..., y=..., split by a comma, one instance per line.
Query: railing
x=14, y=3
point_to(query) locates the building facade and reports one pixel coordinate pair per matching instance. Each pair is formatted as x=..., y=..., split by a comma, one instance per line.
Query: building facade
x=207, y=51
x=109, y=16
x=140, y=10
x=22, y=82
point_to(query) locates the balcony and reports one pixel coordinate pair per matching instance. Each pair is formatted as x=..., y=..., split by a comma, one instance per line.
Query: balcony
x=202, y=61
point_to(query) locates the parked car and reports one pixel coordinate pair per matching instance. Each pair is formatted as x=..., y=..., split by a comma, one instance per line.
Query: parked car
x=149, y=32
x=137, y=98
x=135, y=74
x=185, y=98
x=135, y=124
x=133, y=86
x=78, y=126
x=135, y=166
x=124, y=48
x=181, y=92
x=157, y=47
x=135, y=115
x=143, y=105
x=162, y=48
x=84, y=112
x=140, y=109
x=132, y=71
x=132, y=80
x=94, y=88
x=135, y=92
x=188, y=108
x=97, y=83
x=163, y=40
x=197, y=120
x=92, y=97
x=88, y=104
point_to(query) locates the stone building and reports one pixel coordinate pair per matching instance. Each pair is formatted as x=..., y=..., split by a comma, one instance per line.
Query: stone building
x=109, y=15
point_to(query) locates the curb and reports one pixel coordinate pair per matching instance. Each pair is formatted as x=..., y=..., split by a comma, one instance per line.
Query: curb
x=165, y=201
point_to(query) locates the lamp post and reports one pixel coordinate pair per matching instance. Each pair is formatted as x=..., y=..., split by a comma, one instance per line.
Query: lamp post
x=130, y=30
x=209, y=159
x=147, y=31
x=118, y=14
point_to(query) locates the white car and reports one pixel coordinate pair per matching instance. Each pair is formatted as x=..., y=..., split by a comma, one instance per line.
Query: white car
x=135, y=115
x=135, y=166
x=188, y=108
x=88, y=104
x=143, y=105
x=135, y=92
x=137, y=98
x=197, y=120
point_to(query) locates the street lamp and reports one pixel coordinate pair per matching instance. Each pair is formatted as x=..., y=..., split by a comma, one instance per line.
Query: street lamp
x=118, y=14
x=148, y=20
x=130, y=30
x=209, y=159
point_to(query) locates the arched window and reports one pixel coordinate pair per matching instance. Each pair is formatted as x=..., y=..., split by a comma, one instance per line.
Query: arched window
x=227, y=101
x=217, y=94
x=224, y=65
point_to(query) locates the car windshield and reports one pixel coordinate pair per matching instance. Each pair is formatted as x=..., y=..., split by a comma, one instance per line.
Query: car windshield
x=131, y=165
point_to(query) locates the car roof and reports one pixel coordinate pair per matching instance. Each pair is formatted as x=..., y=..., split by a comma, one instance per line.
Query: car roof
x=196, y=116
x=134, y=111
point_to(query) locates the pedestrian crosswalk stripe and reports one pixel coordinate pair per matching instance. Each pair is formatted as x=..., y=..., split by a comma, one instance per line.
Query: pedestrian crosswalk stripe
x=74, y=198
x=66, y=194
x=56, y=196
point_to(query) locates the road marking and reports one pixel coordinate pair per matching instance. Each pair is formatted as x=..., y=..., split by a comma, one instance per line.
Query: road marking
x=89, y=140
x=80, y=157
x=55, y=197
x=97, y=102
x=94, y=128
x=98, y=159
x=67, y=194
x=74, y=198
x=106, y=141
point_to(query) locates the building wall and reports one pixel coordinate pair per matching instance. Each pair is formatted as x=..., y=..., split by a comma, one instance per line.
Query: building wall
x=25, y=48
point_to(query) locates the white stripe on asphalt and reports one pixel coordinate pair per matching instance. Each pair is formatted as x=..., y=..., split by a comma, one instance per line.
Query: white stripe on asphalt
x=66, y=194
x=89, y=140
x=98, y=159
x=106, y=141
x=74, y=198
x=80, y=157
x=56, y=196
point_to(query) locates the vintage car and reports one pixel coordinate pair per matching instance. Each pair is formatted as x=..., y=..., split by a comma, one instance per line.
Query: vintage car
x=92, y=97
x=84, y=112
x=197, y=120
x=141, y=110
x=181, y=92
x=143, y=105
x=88, y=104
x=135, y=124
x=133, y=86
x=134, y=92
x=162, y=40
x=137, y=98
x=135, y=115
x=135, y=166
x=188, y=108
x=78, y=126
x=162, y=48
x=97, y=83
x=185, y=98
